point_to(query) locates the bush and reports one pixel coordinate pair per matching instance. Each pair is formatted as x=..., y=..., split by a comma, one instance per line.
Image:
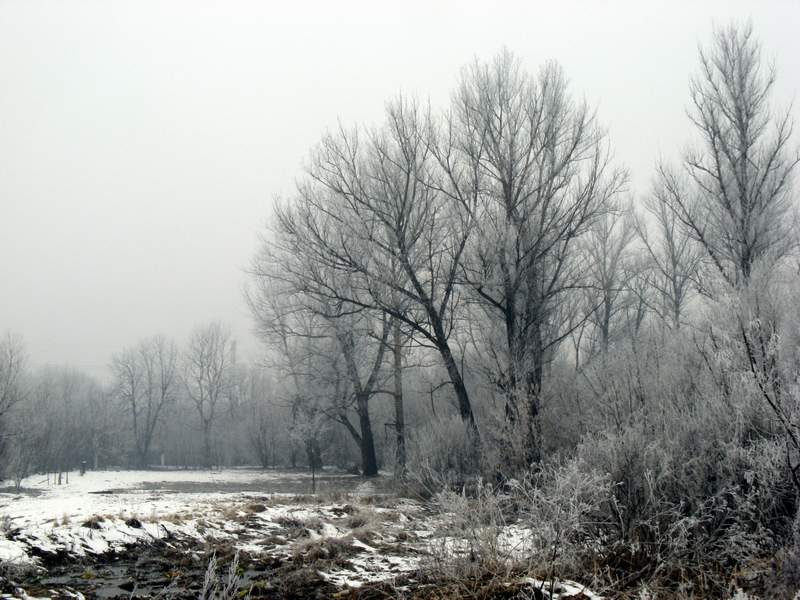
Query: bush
x=441, y=455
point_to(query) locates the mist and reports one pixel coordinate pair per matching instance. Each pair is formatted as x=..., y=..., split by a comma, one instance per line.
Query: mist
x=142, y=144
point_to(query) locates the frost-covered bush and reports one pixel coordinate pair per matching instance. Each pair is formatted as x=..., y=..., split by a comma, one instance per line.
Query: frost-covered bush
x=441, y=455
x=689, y=506
x=545, y=524
x=561, y=509
x=468, y=540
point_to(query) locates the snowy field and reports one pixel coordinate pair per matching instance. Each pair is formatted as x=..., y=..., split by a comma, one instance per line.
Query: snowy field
x=134, y=533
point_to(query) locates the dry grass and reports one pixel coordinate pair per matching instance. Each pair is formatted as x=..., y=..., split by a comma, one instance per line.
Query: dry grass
x=336, y=549
x=93, y=522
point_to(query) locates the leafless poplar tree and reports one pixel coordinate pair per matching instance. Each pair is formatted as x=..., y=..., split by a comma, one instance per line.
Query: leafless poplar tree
x=357, y=336
x=304, y=354
x=363, y=375
x=536, y=167
x=14, y=454
x=738, y=206
x=12, y=364
x=261, y=414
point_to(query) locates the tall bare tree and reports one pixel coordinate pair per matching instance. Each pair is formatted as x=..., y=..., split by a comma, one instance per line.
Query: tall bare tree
x=363, y=375
x=303, y=352
x=261, y=413
x=374, y=208
x=357, y=336
x=738, y=206
x=539, y=169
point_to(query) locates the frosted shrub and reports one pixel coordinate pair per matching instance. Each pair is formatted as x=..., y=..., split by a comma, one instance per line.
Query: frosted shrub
x=688, y=506
x=468, y=540
x=544, y=524
x=560, y=507
x=441, y=455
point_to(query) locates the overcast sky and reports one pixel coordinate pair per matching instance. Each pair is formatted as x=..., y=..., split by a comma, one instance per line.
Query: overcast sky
x=142, y=143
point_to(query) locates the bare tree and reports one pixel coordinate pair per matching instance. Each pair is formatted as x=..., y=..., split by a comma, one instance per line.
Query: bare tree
x=261, y=414
x=322, y=327
x=146, y=380
x=207, y=369
x=607, y=248
x=373, y=209
x=674, y=257
x=63, y=395
x=738, y=206
x=539, y=169
x=399, y=424
x=12, y=366
x=101, y=423
x=363, y=376
x=304, y=354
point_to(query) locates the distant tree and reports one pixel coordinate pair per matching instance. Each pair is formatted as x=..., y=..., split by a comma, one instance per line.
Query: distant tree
x=608, y=248
x=674, y=257
x=12, y=368
x=63, y=396
x=100, y=419
x=341, y=348
x=146, y=380
x=738, y=205
x=261, y=415
x=208, y=364
x=363, y=369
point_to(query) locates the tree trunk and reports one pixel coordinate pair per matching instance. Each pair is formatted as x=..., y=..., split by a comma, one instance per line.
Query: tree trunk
x=399, y=416
x=533, y=392
x=313, y=455
x=462, y=396
x=369, y=462
x=207, y=445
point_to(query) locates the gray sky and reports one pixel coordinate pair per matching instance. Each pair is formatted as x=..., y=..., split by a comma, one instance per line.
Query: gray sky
x=142, y=143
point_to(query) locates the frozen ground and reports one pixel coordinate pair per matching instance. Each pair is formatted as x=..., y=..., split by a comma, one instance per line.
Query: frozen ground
x=129, y=533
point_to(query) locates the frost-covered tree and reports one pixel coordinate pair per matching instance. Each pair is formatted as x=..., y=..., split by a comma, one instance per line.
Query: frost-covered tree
x=738, y=204
x=539, y=167
x=374, y=209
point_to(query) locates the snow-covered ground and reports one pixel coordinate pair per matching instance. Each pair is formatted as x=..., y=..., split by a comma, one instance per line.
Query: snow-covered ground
x=349, y=533
x=52, y=518
x=113, y=511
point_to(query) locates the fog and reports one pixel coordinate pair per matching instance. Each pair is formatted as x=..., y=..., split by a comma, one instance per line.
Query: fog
x=142, y=143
